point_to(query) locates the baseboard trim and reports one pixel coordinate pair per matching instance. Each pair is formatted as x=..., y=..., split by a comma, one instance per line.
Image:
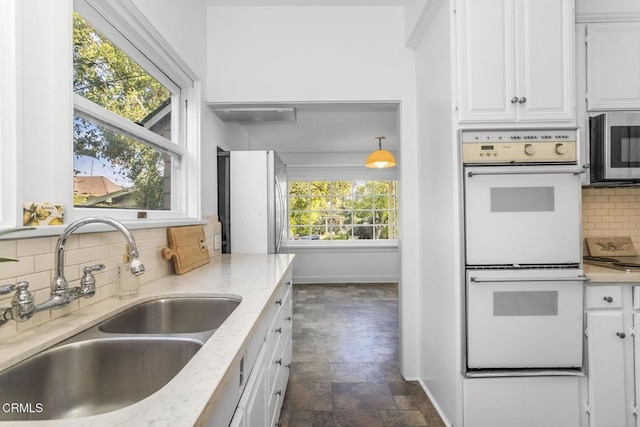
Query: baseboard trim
x=435, y=403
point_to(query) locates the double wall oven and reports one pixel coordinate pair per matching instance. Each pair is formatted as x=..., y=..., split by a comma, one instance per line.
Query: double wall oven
x=524, y=285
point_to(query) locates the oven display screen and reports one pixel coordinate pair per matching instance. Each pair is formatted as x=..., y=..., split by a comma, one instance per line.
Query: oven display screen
x=486, y=147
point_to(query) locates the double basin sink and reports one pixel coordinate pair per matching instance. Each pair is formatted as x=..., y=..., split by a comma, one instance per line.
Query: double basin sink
x=114, y=364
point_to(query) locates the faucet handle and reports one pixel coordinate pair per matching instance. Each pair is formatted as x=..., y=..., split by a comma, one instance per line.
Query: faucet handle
x=88, y=282
x=93, y=268
x=22, y=304
x=7, y=289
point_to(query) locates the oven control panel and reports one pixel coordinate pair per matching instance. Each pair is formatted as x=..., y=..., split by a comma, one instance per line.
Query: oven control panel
x=520, y=146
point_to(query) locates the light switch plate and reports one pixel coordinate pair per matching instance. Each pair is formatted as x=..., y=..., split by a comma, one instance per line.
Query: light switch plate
x=216, y=242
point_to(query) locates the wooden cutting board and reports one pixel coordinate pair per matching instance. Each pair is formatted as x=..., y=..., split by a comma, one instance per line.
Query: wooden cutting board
x=186, y=247
x=610, y=246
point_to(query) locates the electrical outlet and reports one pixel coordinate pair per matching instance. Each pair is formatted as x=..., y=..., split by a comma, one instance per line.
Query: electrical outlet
x=216, y=242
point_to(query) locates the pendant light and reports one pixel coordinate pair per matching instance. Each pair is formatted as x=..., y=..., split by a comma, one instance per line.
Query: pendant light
x=380, y=158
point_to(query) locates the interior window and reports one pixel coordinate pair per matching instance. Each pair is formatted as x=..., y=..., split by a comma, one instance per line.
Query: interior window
x=343, y=210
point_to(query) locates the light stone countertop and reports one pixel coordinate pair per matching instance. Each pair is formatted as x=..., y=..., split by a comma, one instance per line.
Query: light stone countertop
x=190, y=397
x=597, y=274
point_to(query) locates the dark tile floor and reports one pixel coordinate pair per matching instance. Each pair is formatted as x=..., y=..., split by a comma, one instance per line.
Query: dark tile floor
x=345, y=361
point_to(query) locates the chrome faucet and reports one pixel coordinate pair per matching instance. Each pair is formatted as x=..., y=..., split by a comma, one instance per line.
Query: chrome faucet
x=61, y=294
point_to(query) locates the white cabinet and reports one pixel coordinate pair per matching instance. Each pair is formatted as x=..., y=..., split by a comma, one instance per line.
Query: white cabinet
x=522, y=402
x=515, y=60
x=613, y=66
x=263, y=395
x=610, y=367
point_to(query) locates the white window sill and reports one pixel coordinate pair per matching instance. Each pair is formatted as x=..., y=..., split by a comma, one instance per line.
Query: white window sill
x=55, y=230
x=339, y=246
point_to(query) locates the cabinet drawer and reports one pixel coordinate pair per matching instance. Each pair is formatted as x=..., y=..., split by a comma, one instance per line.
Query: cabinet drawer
x=275, y=405
x=254, y=347
x=275, y=334
x=604, y=296
x=274, y=373
x=275, y=304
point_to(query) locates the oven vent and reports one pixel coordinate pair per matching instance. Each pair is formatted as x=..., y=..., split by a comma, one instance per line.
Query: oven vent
x=256, y=114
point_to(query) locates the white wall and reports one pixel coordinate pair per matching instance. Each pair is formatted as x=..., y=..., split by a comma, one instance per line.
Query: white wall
x=315, y=54
x=47, y=106
x=439, y=206
x=373, y=266
x=306, y=53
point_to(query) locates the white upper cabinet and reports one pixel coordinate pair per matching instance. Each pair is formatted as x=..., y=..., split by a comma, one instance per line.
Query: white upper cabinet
x=515, y=60
x=613, y=66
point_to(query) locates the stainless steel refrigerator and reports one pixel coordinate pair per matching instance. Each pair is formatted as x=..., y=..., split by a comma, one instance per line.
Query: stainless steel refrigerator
x=256, y=203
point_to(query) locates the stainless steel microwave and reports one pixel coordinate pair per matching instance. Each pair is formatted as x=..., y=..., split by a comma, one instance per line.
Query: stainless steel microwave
x=615, y=147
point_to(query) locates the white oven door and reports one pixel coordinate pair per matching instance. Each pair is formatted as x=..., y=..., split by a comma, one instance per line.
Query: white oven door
x=522, y=215
x=524, y=319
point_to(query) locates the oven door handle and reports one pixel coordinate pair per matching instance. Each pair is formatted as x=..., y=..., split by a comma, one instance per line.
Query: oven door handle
x=475, y=279
x=471, y=174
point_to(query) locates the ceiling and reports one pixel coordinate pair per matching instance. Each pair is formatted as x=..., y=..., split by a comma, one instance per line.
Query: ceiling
x=319, y=128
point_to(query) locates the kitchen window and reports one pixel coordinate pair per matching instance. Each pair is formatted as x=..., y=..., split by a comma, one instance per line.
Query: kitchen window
x=343, y=210
x=131, y=110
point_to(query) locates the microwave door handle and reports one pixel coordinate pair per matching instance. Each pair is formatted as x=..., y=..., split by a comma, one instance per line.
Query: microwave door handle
x=475, y=279
x=471, y=174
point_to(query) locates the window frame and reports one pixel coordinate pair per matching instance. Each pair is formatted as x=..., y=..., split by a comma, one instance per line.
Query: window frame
x=356, y=243
x=127, y=28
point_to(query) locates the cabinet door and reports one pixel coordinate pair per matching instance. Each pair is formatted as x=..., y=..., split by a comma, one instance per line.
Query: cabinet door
x=486, y=60
x=545, y=60
x=516, y=60
x=255, y=407
x=613, y=66
x=607, y=378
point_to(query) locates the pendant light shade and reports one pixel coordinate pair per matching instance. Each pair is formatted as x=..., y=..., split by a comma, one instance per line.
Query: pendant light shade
x=380, y=158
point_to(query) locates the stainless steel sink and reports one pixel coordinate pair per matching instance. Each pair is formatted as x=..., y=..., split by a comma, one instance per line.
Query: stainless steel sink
x=91, y=377
x=172, y=316
x=114, y=364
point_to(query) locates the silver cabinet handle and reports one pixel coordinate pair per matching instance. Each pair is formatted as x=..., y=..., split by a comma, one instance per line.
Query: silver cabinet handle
x=278, y=302
x=514, y=99
x=621, y=335
x=471, y=174
x=522, y=100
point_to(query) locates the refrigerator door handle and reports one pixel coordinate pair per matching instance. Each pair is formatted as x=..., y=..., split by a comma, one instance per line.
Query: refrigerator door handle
x=280, y=199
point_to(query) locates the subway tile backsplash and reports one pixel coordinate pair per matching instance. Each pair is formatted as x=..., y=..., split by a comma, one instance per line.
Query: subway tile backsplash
x=611, y=212
x=36, y=265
